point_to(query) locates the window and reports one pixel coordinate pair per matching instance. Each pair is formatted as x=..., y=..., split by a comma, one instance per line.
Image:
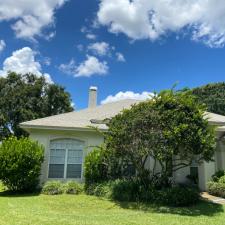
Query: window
x=66, y=158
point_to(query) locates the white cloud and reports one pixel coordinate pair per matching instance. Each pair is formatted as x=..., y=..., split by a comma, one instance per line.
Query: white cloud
x=23, y=61
x=80, y=47
x=91, y=66
x=99, y=48
x=151, y=19
x=91, y=36
x=120, y=57
x=127, y=95
x=2, y=45
x=68, y=68
x=29, y=17
x=47, y=61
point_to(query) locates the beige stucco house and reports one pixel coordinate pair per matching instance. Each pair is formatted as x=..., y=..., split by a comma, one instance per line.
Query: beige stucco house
x=68, y=138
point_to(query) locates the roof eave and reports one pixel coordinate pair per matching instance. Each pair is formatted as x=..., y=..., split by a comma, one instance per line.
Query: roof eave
x=37, y=127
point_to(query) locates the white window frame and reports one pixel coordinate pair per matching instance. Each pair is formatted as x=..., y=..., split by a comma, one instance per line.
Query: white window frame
x=66, y=159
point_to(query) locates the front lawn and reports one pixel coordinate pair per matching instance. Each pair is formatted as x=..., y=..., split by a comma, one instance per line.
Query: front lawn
x=89, y=210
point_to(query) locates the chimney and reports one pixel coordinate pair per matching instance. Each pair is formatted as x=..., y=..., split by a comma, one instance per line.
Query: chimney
x=92, y=102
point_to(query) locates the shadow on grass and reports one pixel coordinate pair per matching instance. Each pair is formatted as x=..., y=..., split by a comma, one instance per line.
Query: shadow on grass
x=203, y=208
x=18, y=194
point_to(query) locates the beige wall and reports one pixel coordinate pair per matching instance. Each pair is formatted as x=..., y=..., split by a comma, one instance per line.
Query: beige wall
x=44, y=137
x=91, y=139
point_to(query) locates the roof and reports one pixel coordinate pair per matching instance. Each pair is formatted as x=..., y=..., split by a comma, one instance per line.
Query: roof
x=81, y=119
x=84, y=118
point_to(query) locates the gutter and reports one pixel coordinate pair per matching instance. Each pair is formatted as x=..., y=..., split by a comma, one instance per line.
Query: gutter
x=36, y=127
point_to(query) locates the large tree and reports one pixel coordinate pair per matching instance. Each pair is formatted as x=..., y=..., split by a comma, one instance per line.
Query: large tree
x=213, y=95
x=28, y=97
x=170, y=128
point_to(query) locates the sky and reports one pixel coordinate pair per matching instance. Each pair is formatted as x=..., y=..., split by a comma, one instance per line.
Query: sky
x=128, y=49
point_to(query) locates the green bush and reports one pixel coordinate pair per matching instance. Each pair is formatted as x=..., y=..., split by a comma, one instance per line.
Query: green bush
x=2, y=187
x=53, y=188
x=126, y=190
x=178, y=196
x=218, y=175
x=217, y=189
x=20, y=164
x=133, y=191
x=73, y=187
x=95, y=171
x=222, y=180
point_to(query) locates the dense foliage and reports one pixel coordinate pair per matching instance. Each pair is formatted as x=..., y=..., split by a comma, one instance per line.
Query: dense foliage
x=217, y=185
x=95, y=168
x=52, y=188
x=27, y=97
x=170, y=128
x=57, y=187
x=20, y=163
x=213, y=95
x=133, y=191
x=72, y=187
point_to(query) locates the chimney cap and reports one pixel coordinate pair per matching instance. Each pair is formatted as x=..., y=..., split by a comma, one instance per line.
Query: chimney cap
x=93, y=88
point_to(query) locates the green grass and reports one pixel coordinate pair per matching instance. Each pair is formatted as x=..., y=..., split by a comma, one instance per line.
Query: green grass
x=89, y=210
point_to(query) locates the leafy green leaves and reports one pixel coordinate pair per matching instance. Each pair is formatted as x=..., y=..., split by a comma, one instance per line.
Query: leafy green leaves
x=168, y=127
x=20, y=163
x=27, y=97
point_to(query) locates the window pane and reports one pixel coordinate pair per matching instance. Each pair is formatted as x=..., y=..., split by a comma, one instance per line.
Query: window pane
x=56, y=171
x=57, y=163
x=75, y=157
x=73, y=171
x=57, y=156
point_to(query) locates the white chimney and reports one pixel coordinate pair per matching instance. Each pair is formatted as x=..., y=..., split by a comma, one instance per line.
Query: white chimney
x=92, y=102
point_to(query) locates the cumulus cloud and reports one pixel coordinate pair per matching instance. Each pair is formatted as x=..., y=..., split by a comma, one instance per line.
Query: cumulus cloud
x=68, y=68
x=99, y=48
x=127, y=95
x=23, y=61
x=29, y=17
x=91, y=66
x=120, y=57
x=2, y=45
x=91, y=36
x=151, y=19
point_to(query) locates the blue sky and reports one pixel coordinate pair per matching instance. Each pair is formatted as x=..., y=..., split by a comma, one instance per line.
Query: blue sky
x=110, y=44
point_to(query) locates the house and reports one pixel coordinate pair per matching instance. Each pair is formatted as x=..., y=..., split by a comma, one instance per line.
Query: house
x=68, y=138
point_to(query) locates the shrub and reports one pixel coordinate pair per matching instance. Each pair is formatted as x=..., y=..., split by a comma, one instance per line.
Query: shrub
x=95, y=170
x=218, y=175
x=222, y=180
x=125, y=190
x=73, y=187
x=103, y=190
x=132, y=190
x=178, y=196
x=53, y=188
x=217, y=189
x=20, y=163
x=2, y=187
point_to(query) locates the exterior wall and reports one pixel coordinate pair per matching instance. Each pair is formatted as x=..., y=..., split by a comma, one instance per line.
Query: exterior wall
x=91, y=139
x=180, y=176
